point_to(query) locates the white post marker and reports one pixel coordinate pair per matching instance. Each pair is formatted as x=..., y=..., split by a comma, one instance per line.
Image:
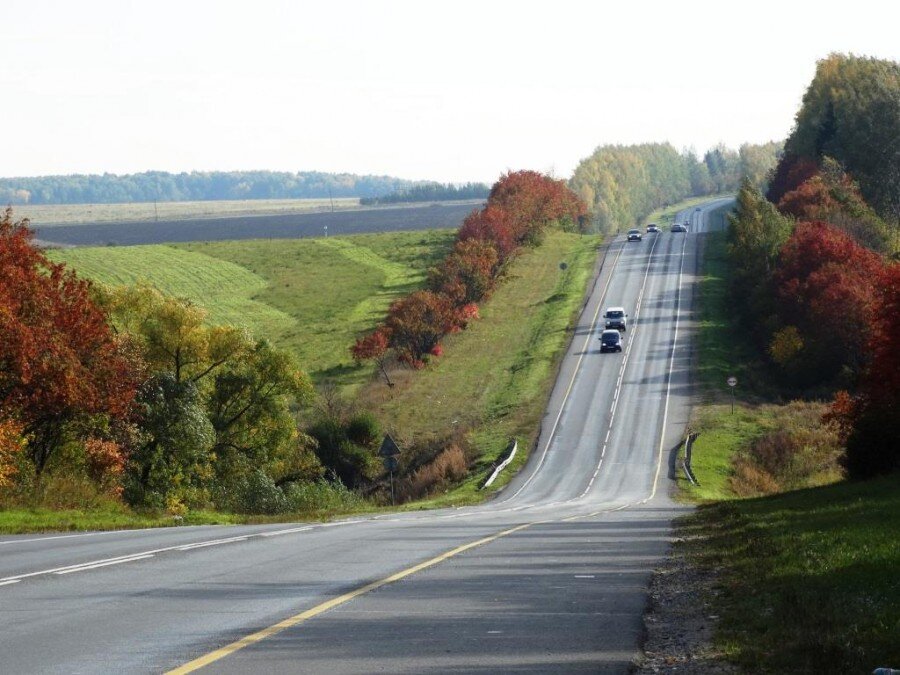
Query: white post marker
x=732, y=382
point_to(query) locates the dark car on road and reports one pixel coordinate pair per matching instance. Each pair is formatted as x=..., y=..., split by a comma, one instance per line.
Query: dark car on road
x=610, y=341
x=634, y=235
x=678, y=227
x=652, y=228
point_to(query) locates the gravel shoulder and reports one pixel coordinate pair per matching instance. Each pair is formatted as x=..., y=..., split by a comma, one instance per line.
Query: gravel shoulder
x=678, y=623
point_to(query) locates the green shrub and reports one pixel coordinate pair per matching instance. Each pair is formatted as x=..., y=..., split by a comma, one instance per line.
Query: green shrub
x=321, y=495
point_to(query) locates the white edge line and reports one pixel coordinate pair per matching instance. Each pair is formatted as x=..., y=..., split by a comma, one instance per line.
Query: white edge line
x=105, y=564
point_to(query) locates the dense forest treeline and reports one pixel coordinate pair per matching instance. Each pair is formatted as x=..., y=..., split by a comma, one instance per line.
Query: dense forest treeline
x=432, y=192
x=850, y=113
x=195, y=186
x=815, y=270
x=624, y=184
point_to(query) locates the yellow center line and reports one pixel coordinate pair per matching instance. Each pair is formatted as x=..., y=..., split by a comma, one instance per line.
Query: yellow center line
x=292, y=621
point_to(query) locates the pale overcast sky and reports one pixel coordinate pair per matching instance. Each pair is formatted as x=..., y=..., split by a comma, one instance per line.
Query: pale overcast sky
x=451, y=91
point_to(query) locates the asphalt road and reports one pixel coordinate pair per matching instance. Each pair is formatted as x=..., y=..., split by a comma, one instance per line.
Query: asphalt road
x=549, y=577
x=277, y=226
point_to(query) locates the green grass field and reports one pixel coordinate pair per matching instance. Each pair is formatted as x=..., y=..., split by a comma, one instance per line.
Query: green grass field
x=310, y=296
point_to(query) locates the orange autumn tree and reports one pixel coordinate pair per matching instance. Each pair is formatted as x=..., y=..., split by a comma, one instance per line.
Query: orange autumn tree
x=521, y=206
x=59, y=361
x=533, y=201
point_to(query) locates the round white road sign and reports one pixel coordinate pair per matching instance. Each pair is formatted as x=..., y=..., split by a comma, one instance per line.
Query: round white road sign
x=732, y=381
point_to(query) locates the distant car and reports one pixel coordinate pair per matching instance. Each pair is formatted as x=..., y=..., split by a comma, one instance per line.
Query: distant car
x=652, y=228
x=697, y=209
x=678, y=227
x=610, y=341
x=634, y=235
x=616, y=318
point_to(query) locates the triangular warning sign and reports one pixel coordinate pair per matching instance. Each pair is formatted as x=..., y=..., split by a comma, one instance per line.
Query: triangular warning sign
x=388, y=447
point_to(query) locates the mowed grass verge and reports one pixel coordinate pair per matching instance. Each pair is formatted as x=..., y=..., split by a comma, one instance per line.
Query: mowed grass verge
x=722, y=350
x=313, y=297
x=810, y=579
x=113, y=517
x=494, y=378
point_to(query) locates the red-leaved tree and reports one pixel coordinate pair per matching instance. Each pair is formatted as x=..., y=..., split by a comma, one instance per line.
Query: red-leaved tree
x=533, y=201
x=789, y=174
x=494, y=225
x=824, y=289
x=417, y=323
x=521, y=206
x=870, y=421
x=59, y=360
x=374, y=346
x=466, y=275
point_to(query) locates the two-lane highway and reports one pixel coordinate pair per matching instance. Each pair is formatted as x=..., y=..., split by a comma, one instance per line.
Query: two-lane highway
x=550, y=576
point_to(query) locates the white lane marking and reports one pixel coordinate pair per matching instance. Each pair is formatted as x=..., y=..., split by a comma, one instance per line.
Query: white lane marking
x=82, y=568
x=562, y=405
x=662, y=433
x=278, y=533
x=615, y=402
x=55, y=570
x=83, y=534
x=585, y=576
x=93, y=564
x=214, y=542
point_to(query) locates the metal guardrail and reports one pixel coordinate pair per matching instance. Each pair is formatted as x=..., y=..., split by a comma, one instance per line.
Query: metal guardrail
x=511, y=452
x=686, y=463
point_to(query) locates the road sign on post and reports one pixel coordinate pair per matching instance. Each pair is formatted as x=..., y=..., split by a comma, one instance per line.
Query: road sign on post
x=389, y=447
x=732, y=383
x=389, y=450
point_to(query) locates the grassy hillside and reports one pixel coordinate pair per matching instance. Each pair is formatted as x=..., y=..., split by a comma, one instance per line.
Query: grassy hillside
x=311, y=296
x=494, y=377
x=810, y=578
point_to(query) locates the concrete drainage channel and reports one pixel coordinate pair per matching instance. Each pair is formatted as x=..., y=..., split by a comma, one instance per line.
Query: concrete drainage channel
x=510, y=454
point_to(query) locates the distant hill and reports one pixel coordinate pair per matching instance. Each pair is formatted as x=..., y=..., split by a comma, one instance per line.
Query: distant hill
x=196, y=186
